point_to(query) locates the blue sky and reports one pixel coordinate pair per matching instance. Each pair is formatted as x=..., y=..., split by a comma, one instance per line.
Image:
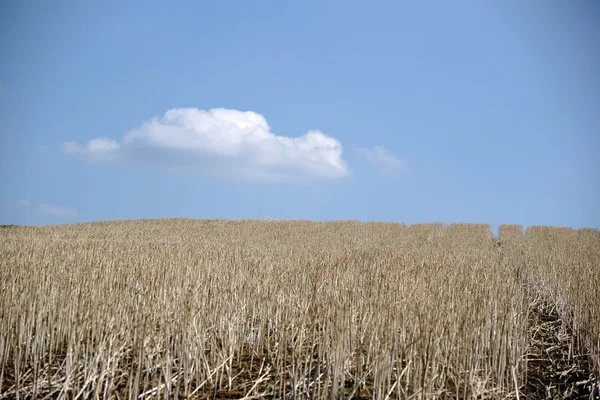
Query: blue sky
x=458, y=111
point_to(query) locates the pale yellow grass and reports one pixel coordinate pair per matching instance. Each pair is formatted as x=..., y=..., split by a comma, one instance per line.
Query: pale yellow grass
x=291, y=309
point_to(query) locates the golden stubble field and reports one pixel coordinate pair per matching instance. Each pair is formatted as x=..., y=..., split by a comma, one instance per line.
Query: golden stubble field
x=294, y=310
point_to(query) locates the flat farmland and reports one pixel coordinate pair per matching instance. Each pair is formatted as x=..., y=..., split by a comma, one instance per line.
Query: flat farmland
x=247, y=309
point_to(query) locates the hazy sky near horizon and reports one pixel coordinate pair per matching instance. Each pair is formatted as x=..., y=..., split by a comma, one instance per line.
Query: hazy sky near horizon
x=458, y=111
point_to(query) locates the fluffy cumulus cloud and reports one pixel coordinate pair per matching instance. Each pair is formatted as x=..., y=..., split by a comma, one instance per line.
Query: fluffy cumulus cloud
x=381, y=157
x=57, y=211
x=221, y=143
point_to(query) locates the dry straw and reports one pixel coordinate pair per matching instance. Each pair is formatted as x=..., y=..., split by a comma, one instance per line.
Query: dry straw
x=295, y=309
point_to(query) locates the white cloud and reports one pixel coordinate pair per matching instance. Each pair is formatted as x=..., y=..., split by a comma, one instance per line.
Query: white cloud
x=381, y=157
x=99, y=149
x=221, y=143
x=22, y=203
x=57, y=211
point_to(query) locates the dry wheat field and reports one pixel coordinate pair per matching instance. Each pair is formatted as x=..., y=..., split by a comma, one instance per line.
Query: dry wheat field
x=215, y=309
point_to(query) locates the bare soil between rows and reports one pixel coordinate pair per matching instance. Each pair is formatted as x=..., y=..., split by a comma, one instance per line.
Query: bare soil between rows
x=557, y=366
